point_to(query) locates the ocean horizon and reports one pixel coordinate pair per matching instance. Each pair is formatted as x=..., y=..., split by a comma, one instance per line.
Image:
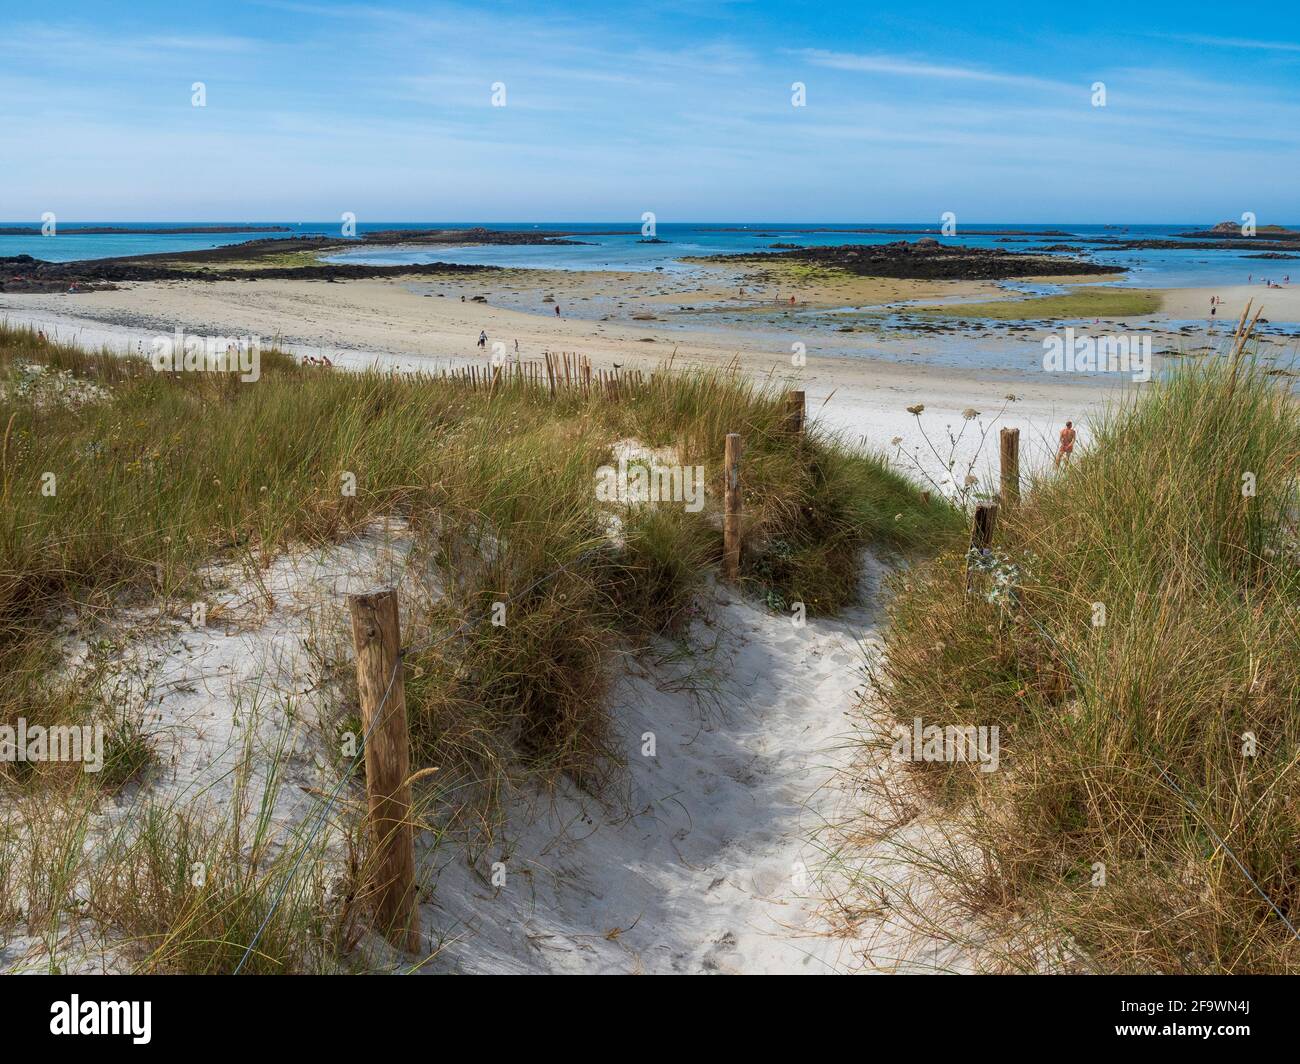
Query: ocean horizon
x=619, y=246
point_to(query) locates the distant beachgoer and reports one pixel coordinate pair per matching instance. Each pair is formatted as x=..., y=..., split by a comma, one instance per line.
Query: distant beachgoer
x=482, y=338
x=1067, y=443
x=516, y=347
x=557, y=310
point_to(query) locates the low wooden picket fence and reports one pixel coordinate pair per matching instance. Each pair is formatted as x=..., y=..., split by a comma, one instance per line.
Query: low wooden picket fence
x=555, y=371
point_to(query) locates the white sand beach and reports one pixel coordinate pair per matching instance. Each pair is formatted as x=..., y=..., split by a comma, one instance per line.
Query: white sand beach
x=863, y=391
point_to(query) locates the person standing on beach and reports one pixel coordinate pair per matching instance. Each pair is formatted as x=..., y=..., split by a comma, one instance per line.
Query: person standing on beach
x=557, y=310
x=1067, y=443
x=482, y=338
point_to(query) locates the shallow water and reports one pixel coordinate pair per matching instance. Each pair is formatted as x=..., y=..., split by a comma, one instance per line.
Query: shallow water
x=619, y=246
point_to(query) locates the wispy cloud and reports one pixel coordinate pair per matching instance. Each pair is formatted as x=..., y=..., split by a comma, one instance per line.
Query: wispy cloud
x=913, y=68
x=79, y=43
x=1233, y=42
x=204, y=43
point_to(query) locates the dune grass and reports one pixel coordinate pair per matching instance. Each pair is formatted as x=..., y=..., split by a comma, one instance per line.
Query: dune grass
x=1145, y=677
x=121, y=484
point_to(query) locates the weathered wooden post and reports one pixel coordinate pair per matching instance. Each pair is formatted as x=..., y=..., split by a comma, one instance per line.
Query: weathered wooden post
x=1009, y=459
x=731, y=514
x=378, y=642
x=981, y=533
x=794, y=413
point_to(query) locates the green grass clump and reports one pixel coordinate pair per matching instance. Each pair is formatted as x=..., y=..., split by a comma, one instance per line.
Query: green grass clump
x=1095, y=301
x=1145, y=677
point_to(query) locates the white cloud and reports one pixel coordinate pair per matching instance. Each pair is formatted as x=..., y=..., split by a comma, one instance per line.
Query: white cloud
x=1235, y=42
x=904, y=67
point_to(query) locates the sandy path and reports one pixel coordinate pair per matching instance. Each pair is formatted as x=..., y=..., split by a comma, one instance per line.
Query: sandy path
x=704, y=855
x=711, y=860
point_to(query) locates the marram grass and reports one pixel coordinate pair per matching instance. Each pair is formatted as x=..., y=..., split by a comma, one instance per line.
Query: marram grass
x=1145, y=678
x=120, y=484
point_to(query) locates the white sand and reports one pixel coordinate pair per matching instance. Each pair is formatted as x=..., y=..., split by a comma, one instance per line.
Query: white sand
x=1275, y=304
x=706, y=857
x=223, y=702
x=713, y=858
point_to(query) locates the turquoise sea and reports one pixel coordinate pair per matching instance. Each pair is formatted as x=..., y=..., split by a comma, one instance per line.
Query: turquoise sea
x=619, y=246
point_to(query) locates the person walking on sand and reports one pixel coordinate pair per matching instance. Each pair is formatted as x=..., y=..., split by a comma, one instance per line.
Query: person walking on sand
x=482, y=338
x=557, y=310
x=1067, y=443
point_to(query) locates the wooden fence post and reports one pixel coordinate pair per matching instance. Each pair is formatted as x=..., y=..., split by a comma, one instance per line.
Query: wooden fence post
x=388, y=763
x=981, y=533
x=1009, y=456
x=794, y=412
x=731, y=515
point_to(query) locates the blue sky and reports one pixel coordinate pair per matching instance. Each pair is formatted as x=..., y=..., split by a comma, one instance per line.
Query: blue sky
x=683, y=108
